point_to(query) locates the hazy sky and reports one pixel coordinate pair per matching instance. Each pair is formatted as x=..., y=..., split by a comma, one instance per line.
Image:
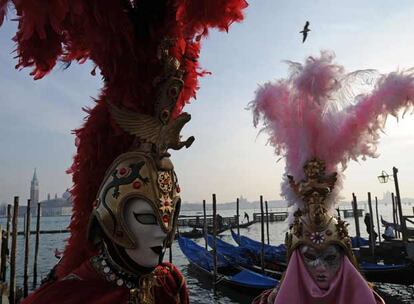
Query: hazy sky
x=227, y=158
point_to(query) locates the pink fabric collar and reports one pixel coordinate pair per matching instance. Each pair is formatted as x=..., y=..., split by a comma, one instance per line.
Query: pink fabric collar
x=348, y=287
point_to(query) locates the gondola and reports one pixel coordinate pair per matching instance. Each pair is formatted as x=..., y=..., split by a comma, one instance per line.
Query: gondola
x=243, y=257
x=271, y=253
x=281, y=249
x=397, y=227
x=397, y=273
x=229, y=273
x=194, y=233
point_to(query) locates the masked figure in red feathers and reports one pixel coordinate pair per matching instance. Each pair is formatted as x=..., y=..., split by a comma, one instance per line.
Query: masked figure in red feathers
x=126, y=192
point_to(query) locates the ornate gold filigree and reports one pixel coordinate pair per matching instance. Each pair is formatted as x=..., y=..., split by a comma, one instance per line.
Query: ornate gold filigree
x=162, y=129
x=315, y=181
x=313, y=226
x=297, y=228
x=341, y=229
x=169, y=84
x=146, y=288
x=150, y=129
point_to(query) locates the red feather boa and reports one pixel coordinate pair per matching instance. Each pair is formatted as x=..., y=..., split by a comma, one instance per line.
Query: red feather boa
x=100, y=30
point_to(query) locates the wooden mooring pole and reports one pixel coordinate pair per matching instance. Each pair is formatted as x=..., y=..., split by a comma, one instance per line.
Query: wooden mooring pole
x=205, y=225
x=36, y=253
x=267, y=223
x=378, y=224
x=6, y=244
x=238, y=218
x=3, y=257
x=372, y=231
x=12, y=283
x=262, y=233
x=214, y=241
x=26, y=251
x=355, y=212
x=9, y=216
x=394, y=215
x=398, y=201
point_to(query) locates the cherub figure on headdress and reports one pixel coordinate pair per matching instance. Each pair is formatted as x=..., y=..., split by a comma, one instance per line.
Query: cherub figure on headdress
x=316, y=185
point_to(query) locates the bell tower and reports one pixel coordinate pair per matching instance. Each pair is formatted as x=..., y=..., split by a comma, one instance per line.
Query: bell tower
x=34, y=190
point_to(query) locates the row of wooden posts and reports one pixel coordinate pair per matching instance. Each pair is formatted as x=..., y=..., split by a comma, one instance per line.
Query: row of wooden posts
x=13, y=218
x=264, y=216
x=397, y=219
x=262, y=223
x=13, y=230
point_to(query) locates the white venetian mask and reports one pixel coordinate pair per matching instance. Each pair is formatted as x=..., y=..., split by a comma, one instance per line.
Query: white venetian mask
x=142, y=223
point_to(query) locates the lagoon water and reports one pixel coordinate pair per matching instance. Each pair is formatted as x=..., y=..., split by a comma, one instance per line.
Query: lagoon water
x=200, y=288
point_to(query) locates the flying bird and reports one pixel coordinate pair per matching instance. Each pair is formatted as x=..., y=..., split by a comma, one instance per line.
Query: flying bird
x=305, y=31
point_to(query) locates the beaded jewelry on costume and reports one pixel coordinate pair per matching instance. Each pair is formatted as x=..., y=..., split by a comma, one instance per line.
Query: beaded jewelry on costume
x=112, y=272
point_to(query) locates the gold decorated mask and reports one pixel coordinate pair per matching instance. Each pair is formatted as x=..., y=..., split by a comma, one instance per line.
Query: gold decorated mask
x=137, y=175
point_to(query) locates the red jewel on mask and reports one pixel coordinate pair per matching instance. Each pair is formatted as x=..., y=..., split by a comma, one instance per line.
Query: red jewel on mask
x=122, y=171
x=165, y=218
x=178, y=189
x=136, y=185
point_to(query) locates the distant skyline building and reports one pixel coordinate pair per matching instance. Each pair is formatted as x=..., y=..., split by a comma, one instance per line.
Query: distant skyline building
x=57, y=206
x=34, y=189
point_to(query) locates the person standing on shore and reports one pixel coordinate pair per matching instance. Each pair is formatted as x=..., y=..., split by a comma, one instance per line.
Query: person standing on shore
x=246, y=216
x=126, y=192
x=317, y=120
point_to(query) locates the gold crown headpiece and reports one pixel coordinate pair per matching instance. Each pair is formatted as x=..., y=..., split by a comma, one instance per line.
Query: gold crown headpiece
x=314, y=226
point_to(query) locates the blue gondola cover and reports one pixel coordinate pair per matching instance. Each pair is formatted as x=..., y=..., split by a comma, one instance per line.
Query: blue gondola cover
x=253, y=279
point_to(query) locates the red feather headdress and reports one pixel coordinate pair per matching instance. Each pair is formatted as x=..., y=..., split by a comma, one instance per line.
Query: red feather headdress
x=121, y=38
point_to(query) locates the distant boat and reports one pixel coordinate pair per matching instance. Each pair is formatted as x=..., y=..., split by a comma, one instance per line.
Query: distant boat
x=271, y=253
x=229, y=273
x=195, y=233
x=224, y=227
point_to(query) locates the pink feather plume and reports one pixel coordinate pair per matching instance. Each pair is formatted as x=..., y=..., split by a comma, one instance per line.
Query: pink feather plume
x=305, y=116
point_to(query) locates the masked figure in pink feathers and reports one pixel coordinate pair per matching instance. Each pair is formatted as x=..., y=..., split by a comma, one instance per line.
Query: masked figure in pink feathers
x=319, y=118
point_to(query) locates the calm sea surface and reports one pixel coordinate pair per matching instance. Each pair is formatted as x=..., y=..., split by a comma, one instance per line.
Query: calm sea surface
x=200, y=288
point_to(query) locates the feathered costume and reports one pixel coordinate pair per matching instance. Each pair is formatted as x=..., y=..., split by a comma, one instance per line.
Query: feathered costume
x=320, y=118
x=138, y=46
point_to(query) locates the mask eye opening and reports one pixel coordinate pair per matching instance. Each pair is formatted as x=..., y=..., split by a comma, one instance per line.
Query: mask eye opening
x=146, y=218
